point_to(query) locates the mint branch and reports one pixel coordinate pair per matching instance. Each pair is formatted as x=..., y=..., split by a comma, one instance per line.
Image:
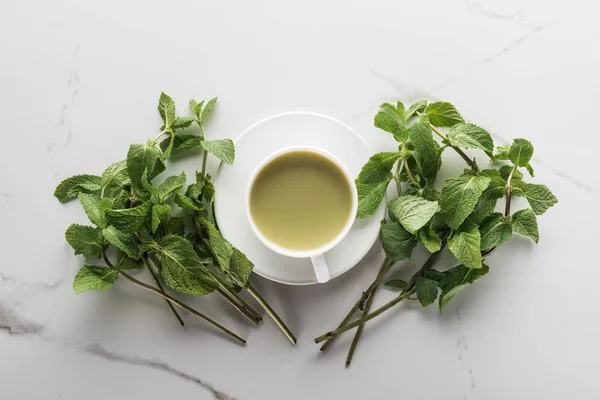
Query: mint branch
x=271, y=313
x=172, y=300
x=461, y=153
x=250, y=317
x=160, y=287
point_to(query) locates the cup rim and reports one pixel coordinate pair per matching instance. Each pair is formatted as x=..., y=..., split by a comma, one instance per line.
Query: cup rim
x=329, y=245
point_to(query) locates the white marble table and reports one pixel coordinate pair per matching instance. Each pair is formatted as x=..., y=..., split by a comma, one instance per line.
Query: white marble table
x=79, y=82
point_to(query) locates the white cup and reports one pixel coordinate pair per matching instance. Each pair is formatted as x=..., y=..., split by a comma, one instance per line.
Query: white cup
x=316, y=255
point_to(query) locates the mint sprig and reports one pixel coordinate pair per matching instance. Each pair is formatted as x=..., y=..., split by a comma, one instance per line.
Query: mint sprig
x=460, y=218
x=143, y=222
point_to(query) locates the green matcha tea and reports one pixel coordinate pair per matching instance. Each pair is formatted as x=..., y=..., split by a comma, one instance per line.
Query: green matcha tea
x=300, y=200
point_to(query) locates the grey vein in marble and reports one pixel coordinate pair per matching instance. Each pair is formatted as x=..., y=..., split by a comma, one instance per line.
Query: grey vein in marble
x=156, y=364
x=534, y=30
x=407, y=92
x=478, y=8
x=463, y=347
x=13, y=324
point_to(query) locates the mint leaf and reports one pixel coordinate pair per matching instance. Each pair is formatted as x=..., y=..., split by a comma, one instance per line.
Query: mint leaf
x=127, y=263
x=223, y=149
x=433, y=274
x=182, y=269
x=502, y=153
x=95, y=208
x=540, y=198
x=395, y=111
x=505, y=172
x=240, y=268
x=185, y=202
x=196, y=107
x=85, y=240
x=494, y=231
x=194, y=191
x=456, y=279
x=459, y=197
x=395, y=284
x=442, y=113
x=388, y=123
x=122, y=241
x=166, y=154
x=427, y=290
x=521, y=152
x=529, y=169
x=71, y=187
x=182, y=122
x=182, y=142
x=412, y=212
x=430, y=239
x=524, y=222
x=143, y=157
x=166, y=108
x=207, y=109
x=170, y=186
x=471, y=136
x=487, y=202
x=161, y=213
x=91, y=277
x=418, y=106
x=220, y=247
x=115, y=175
x=377, y=169
x=129, y=220
x=370, y=196
x=426, y=150
x=396, y=241
x=465, y=245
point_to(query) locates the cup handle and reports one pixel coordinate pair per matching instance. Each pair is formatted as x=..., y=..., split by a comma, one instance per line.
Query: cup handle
x=320, y=266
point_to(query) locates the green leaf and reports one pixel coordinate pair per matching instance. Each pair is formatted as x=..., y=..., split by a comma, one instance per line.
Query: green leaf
x=127, y=263
x=442, y=113
x=194, y=191
x=71, y=187
x=129, y=220
x=166, y=108
x=395, y=284
x=430, y=239
x=185, y=202
x=170, y=186
x=524, y=222
x=220, y=247
x=412, y=212
x=465, y=245
x=426, y=150
x=240, y=268
x=115, y=175
x=387, y=122
x=223, y=149
x=471, y=136
x=91, y=277
x=505, y=171
x=207, y=109
x=529, y=169
x=196, y=107
x=397, y=242
x=95, y=208
x=370, y=196
x=377, y=169
x=182, y=269
x=521, y=152
x=182, y=122
x=143, y=157
x=459, y=197
x=456, y=279
x=487, y=202
x=122, y=241
x=182, y=142
x=166, y=154
x=494, y=231
x=433, y=274
x=147, y=186
x=427, y=290
x=502, y=153
x=418, y=106
x=540, y=198
x=85, y=240
x=160, y=213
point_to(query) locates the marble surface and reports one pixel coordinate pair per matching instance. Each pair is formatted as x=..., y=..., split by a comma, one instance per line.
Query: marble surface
x=79, y=82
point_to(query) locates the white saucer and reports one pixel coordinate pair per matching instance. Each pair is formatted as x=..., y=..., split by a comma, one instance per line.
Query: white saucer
x=255, y=144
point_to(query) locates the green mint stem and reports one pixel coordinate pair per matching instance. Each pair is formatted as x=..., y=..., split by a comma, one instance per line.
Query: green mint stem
x=160, y=287
x=241, y=301
x=173, y=300
x=271, y=313
x=508, y=198
x=461, y=153
x=385, y=267
x=397, y=177
x=153, y=141
x=205, y=154
x=238, y=307
x=409, y=290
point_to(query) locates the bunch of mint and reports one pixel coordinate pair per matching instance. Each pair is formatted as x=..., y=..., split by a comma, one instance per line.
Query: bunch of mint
x=460, y=217
x=172, y=234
